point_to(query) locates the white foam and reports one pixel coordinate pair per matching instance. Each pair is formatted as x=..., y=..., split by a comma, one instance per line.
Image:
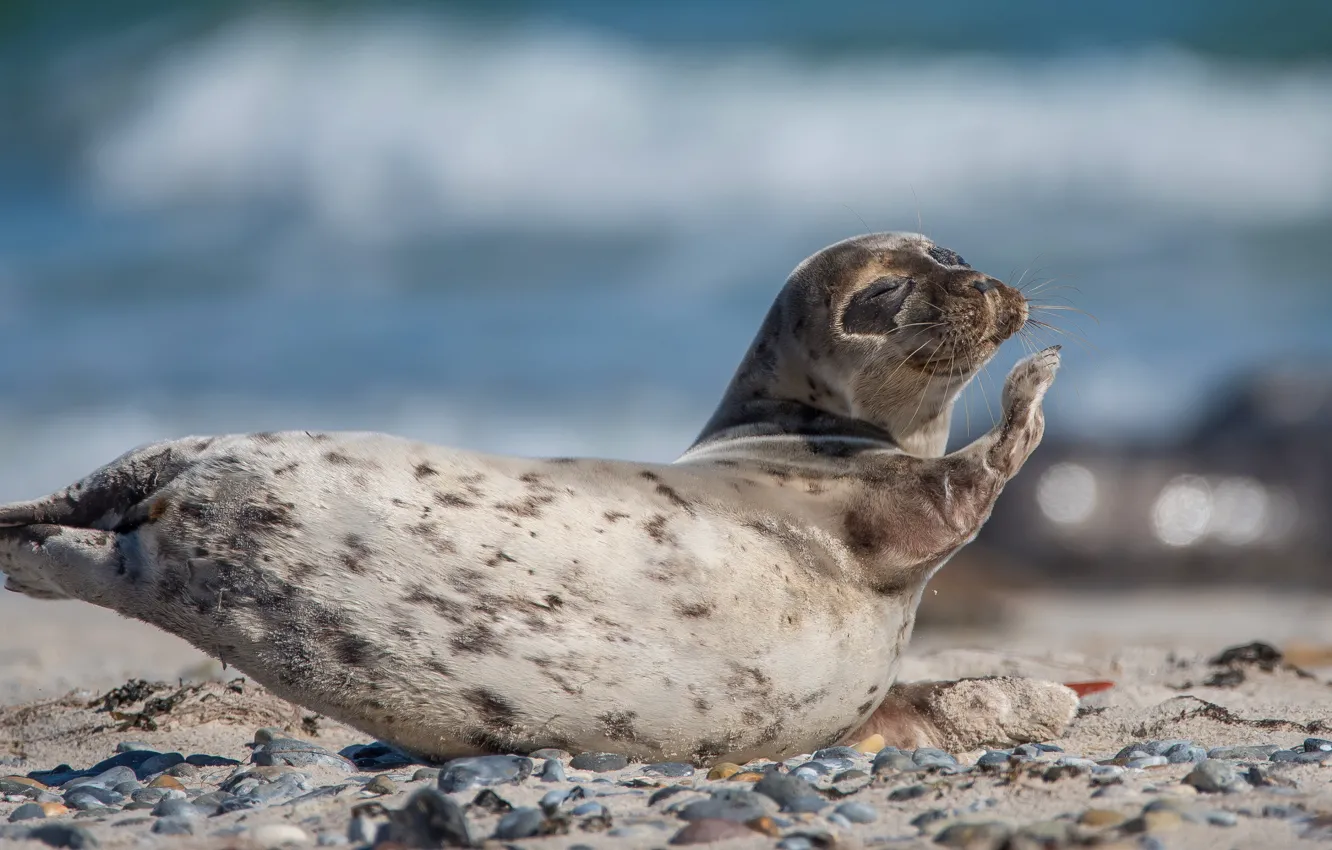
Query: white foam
x=390, y=125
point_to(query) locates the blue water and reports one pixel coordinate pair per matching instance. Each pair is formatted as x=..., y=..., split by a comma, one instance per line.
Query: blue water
x=553, y=228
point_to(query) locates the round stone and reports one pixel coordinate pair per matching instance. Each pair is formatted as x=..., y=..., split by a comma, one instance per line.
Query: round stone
x=553, y=771
x=1101, y=818
x=481, y=771
x=1260, y=752
x=1214, y=776
x=1146, y=762
x=268, y=733
x=740, y=808
x=790, y=792
x=930, y=757
x=706, y=831
x=891, y=760
x=429, y=819
x=599, y=762
x=426, y=773
x=381, y=784
x=1220, y=818
x=857, y=812
x=173, y=826
x=520, y=823
x=725, y=770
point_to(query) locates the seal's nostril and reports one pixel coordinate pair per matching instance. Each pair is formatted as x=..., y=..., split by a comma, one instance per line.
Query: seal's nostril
x=985, y=284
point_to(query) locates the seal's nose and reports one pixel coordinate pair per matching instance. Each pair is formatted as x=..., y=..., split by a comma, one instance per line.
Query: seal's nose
x=985, y=284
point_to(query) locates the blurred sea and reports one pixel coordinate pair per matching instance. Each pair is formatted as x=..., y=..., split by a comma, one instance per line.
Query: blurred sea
x=547, y=228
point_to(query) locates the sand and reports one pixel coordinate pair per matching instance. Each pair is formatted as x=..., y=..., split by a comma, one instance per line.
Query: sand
x=58, y=658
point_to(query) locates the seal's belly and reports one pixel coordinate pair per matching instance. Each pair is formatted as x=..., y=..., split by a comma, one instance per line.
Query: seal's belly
x=453, y=602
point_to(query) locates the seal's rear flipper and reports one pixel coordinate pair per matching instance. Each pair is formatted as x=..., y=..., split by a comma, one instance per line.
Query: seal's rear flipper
x=958, y=716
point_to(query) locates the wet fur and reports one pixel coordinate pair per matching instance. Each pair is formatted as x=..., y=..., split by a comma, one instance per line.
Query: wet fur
x=750, y=599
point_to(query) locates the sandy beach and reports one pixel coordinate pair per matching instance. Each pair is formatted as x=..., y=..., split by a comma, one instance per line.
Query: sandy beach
x=61, y=660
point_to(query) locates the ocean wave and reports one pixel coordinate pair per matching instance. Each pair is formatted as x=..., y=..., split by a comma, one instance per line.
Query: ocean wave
x=378, y=128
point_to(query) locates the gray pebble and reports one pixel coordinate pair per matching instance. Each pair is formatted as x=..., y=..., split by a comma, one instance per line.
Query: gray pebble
x=795, y=842
x=176, y=807
x=669, y=768
x=1029, y=750
x=1214, y=777
x=556, y=797
x=839, y=821
x=858, y=812
x=105, y=779
x=1260, y=752
x=790, y=792
x=924, y=821
x=520, y=823
x=1050, y=748
x=1134, y=750
x=888, y=761
x=552, y=771
x=1146, y=761
x=8, y=787
x=288, y=751
x=268, y=733
x=424, y=773
x=63, y=835
x=159, y=763
x=92, y=797
x=970, y=835
x=482, y=771
x=133, y=747
x=994, y=758
x=1311, y=757
x=599, y=762
x=126, y=788
x=587, y=809
x=1219, y=818
x=429, y=819
x=930, y=757
x=204, y=760
x=738, y=806
x=910, y=792
x=1185, y=753
x=153, y=796
x=212, y=801
x=27, y=811
x=173, y=826
x=182, y=771
x=1311, y=744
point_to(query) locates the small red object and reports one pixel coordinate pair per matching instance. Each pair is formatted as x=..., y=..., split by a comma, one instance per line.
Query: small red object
x=1084, y=688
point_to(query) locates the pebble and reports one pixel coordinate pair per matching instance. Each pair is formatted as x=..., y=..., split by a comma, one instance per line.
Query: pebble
x=552, y=800
x=1215, y=776
x=63, y=835
x=520, y=823
x=294, y=753
x=153, y=796
x=133, y=746
x=429, y=819
x=104, y=779
x=706, y=831
x=1185, y=753
x=381, y=785
x=174, y=826
x=268, y=733
x=1155, y=822
x=987, y=835
x=552, y=771
x=1259, y=753
x=725, y=770
x=670, y=768
x=181, y=771
x=791, y=793
x=159, y=763
x=930, y=757
x=549, y=753
x=1312, y=744
x=1220, y=818
x=201, y=760
x=994, y=759
x=28, y=811
x=857, y=812
x=599, y=762
x=909, y=792
x=278, y=834
x=481, y=771
x=891, y=760
x=739, y=806
x=1146, y=761
x=837, y=753
x=1309, y=757
x=177, y=807
x=1101, y=818
x=426, y=773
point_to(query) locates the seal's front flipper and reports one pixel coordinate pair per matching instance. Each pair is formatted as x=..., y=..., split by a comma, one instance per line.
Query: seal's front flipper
x=58, y=562
x=967, y=714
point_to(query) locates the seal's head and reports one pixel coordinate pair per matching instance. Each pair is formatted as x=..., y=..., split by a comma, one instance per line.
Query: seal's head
x=884, y=329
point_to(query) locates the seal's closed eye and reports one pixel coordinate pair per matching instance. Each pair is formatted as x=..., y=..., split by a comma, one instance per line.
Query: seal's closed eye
x=873, y=309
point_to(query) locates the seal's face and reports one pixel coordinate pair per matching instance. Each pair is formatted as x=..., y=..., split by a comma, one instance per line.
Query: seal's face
x=920, y=304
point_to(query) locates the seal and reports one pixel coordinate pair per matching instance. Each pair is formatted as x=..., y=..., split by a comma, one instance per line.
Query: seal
x=750, y=599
